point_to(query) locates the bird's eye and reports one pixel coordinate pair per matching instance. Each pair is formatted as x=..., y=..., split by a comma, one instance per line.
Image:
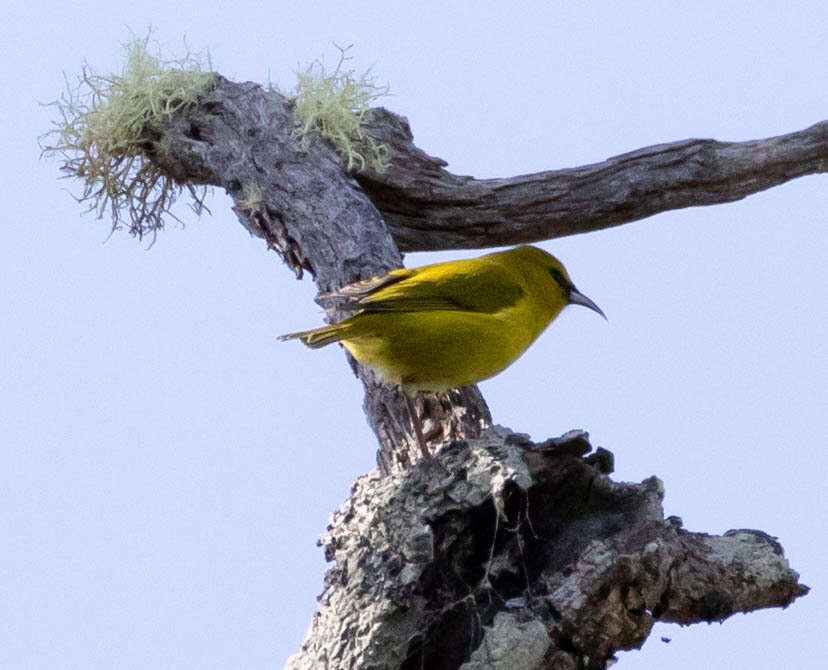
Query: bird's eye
x=557, y=275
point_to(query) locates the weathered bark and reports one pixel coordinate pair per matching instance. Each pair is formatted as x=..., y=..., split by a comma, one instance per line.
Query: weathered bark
x=428, y=208
x=504, y=554
x=497, y=549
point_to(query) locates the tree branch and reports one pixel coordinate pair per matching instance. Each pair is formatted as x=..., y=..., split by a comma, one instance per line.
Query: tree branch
x=428, y=208
x=506, y=554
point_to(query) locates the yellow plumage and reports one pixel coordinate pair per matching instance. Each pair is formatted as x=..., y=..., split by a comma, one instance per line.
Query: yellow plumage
x=446, y=325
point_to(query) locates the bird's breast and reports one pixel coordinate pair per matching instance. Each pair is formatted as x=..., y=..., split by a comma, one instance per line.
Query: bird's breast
x=439, y=350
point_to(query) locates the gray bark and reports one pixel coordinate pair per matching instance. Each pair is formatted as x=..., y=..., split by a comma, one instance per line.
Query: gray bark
x=504, y=554
x=498, y=553
x=428, y=208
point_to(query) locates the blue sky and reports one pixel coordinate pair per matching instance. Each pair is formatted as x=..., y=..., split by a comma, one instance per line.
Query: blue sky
x=166, y=464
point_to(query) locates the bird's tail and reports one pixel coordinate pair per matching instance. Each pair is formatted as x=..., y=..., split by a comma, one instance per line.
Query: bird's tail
x=319, y=337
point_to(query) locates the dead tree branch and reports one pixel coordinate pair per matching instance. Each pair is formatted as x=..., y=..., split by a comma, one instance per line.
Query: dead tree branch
x=505, y=554
x=320, y=220
x=428, y=208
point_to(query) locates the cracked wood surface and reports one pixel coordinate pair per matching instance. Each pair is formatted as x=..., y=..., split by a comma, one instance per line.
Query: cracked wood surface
x=428, y=208
x=501, y=553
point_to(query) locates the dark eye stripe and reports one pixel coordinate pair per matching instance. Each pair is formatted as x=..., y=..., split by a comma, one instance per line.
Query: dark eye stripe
x=557, y=275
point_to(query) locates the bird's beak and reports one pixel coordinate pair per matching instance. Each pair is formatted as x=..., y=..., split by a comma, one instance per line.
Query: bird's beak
x=578, y=298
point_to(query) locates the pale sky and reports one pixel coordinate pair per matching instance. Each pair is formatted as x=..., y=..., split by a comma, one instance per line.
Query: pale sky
x=167, y=465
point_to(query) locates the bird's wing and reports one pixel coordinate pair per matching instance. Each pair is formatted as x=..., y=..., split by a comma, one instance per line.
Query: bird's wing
x=349, y=297
x=358, y=290
x=470, y=286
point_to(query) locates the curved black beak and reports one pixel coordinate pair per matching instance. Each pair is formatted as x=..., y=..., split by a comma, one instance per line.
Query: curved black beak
x=578, y=298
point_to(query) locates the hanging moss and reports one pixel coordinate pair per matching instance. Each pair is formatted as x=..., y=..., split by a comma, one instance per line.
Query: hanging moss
x=102, y=135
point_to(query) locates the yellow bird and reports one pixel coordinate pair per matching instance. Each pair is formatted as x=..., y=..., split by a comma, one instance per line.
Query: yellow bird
x=441, y=326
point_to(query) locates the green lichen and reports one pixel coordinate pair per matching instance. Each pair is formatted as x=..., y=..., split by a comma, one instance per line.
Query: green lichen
x=336, y=104
x=102, y=136
x=251, y=200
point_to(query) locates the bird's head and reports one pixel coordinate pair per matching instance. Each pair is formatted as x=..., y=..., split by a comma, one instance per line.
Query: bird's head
x=564, y=289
